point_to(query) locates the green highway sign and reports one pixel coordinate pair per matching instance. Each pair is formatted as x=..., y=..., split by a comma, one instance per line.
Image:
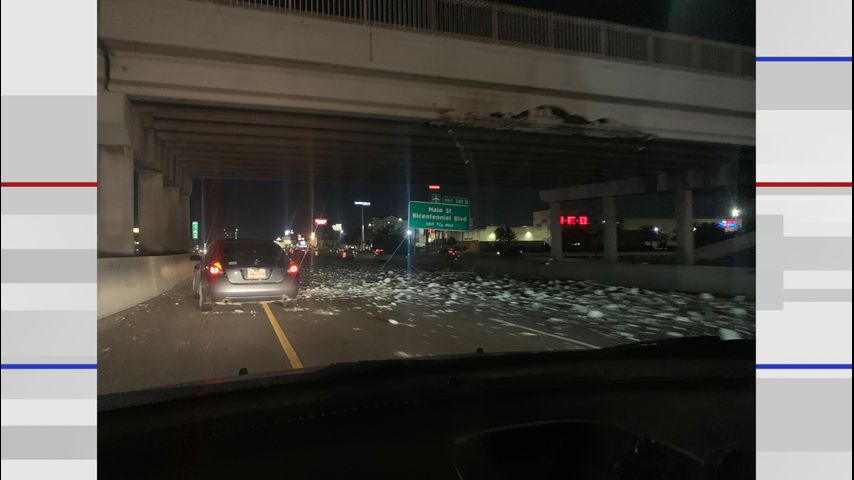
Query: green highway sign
x=436, y=197
x=195, y=230
x=455, y=200
x=438, y=216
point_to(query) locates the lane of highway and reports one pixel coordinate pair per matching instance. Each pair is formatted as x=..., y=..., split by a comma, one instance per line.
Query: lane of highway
x=167, y=340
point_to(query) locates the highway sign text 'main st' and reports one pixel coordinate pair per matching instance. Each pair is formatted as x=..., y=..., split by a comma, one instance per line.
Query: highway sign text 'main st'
x=438, y=216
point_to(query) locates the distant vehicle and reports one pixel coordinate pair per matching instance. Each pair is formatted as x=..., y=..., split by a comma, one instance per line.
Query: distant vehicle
x=378, y=251
x=509, y=252
x=245, y=271
x=347, y=253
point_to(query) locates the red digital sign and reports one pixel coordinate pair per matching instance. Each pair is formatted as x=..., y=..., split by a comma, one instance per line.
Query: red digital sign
x=434, y=187
x=320, y=221
x=574, y=220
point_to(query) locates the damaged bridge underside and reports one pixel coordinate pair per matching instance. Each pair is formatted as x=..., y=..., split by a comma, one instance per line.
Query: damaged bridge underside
x=206, y=141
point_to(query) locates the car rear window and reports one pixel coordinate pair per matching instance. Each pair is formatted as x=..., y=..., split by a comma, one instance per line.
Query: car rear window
x=249, y=251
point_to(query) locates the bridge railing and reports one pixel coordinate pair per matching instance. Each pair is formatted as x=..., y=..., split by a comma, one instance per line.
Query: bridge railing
x=487, y=21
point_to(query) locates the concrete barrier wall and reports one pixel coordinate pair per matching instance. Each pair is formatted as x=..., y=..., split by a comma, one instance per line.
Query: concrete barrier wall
x=685, y=278
x=697, y=279
x=126, y=281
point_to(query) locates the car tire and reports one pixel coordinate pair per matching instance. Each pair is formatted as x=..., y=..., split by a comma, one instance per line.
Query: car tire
x=205, y=301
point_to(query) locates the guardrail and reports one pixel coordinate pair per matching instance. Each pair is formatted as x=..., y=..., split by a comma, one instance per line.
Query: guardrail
x=487, y=21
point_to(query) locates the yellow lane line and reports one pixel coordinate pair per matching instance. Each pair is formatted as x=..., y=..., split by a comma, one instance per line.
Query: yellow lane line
x=283, y=339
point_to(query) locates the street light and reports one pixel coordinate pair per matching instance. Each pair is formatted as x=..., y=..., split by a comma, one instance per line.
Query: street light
x=362, y=204
x=735, y=212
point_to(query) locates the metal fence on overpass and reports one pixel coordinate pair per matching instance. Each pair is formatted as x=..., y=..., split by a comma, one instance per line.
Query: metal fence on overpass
x=487, y=21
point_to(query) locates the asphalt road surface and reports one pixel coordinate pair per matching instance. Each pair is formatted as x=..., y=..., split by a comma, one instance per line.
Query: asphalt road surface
x=352, y=311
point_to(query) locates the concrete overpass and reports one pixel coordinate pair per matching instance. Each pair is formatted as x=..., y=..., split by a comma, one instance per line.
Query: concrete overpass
x=314, y=91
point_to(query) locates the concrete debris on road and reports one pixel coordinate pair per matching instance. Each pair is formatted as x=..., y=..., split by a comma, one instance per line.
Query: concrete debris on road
x=619, y=313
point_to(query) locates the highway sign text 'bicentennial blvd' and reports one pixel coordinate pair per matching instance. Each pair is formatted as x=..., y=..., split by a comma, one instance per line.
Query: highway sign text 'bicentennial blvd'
x=438, y=216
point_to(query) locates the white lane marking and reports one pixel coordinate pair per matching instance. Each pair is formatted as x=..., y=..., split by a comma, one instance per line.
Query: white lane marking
x=554, y=335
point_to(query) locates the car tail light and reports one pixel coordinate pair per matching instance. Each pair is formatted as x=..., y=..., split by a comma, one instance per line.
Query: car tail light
x=215, y=268
x=293, y=269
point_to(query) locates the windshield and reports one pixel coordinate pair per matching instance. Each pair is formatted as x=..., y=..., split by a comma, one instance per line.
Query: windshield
x=405, y=184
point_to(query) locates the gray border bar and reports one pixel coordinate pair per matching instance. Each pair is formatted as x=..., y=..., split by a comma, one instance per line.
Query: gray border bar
x=803, y=415
x=49, y=266
x=806, y=191
x=49, y=138
x=32, y=334
x=54, y=443
x=49, y=384
x=49, y=201
x=803, y=86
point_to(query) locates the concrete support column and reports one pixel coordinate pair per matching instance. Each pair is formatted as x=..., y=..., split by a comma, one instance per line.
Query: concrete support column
x=685, y=226
x=184, y=228
x=152, y=217
x=609, y=229
x=115, y=201
x=555, y=231
x=172, y=212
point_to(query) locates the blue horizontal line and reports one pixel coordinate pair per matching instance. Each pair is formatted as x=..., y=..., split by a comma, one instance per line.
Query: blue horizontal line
x=803, y=366
x=48, y=366
x=803, y=59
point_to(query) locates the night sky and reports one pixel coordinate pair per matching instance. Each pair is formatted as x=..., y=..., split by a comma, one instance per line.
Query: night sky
x=266, y=209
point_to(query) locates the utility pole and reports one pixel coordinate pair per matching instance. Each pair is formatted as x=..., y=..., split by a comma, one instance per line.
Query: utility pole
x=362, y=204
x=204, y=222
x=433, y=195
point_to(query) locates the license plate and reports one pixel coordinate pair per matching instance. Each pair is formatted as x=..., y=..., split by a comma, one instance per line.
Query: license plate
x=256, y=273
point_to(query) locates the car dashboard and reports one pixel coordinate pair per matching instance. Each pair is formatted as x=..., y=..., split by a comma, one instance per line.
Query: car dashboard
x=656, y=411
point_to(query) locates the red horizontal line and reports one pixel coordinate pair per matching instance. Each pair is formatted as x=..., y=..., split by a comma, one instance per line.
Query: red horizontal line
x=803, y=184
x=49, y=184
